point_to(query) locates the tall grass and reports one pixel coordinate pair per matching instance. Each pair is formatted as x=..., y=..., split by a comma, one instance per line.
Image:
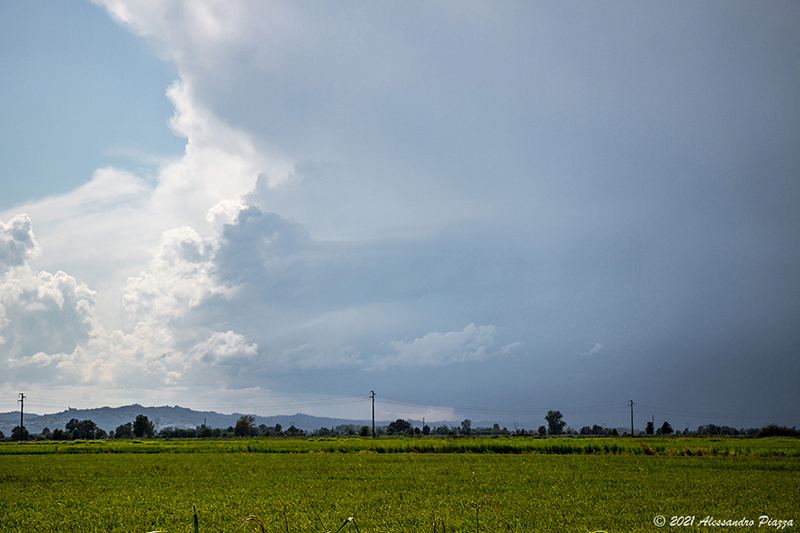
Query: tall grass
x=682, y=446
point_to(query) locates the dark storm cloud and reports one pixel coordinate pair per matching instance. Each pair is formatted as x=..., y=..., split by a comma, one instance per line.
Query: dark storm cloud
x=486, y=205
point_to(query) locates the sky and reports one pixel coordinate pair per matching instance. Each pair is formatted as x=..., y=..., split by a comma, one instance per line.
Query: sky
x=481, y=210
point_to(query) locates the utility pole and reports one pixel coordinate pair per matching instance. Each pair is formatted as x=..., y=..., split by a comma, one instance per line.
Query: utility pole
x=21, y=408
x=631, y=418
x=372, y=395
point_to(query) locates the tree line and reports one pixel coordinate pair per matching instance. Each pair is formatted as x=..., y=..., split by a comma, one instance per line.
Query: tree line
x=245, y=426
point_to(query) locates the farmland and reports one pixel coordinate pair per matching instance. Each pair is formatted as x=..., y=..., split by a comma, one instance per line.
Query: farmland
x=551, y=484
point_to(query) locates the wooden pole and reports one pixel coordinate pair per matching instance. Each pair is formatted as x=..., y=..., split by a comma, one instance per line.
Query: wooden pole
x=21, y=409
x=372, y=395
x=631, y=418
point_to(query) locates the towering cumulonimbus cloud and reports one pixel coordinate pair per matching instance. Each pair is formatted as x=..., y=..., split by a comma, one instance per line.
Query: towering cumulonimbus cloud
x=531, y=203
x=181, y=277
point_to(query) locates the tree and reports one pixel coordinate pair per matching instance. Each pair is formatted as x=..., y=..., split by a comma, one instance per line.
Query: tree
x=244, y=425
x=322, y=432
x=542, y=431
x=554, y=423
x=71, y=426
x=666, y=429
x=294, y=432
x=710, y=429
x=364, y=431
x=123, y=431
x=773, y=430
x=398, y=427
x=649, y=428
x=19, y=433
x=82, y=429
x=143, y=427
x=466, y=426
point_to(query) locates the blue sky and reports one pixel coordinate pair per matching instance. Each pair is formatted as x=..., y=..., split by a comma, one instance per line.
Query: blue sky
x=482, y=210
x=77, y=94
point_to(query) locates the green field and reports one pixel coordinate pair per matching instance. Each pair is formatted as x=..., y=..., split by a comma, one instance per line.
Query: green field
x=399, y=485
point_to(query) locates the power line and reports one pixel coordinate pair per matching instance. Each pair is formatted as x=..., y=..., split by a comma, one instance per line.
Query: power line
x=274, y=405
x=510, y=410
x=717, y=415
x=534, y=411
x=237, y=406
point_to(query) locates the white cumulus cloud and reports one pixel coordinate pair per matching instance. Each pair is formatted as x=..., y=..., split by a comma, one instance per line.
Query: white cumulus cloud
x=17, y=242
x=39, y=311
x=45, y=318
x=225, y=348
x=473, y=343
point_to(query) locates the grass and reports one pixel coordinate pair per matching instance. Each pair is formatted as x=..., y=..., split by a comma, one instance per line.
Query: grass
x=195, y=522
x=559, y=486
x=683, y=446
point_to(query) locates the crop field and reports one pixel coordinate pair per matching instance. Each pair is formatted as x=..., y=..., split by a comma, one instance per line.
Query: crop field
x=402, y=485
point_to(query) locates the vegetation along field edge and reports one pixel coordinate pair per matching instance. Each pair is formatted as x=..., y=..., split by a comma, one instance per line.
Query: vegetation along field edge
x=684, y=446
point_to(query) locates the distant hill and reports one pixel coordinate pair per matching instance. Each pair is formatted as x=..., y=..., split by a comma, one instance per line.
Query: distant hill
x=109, y=418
